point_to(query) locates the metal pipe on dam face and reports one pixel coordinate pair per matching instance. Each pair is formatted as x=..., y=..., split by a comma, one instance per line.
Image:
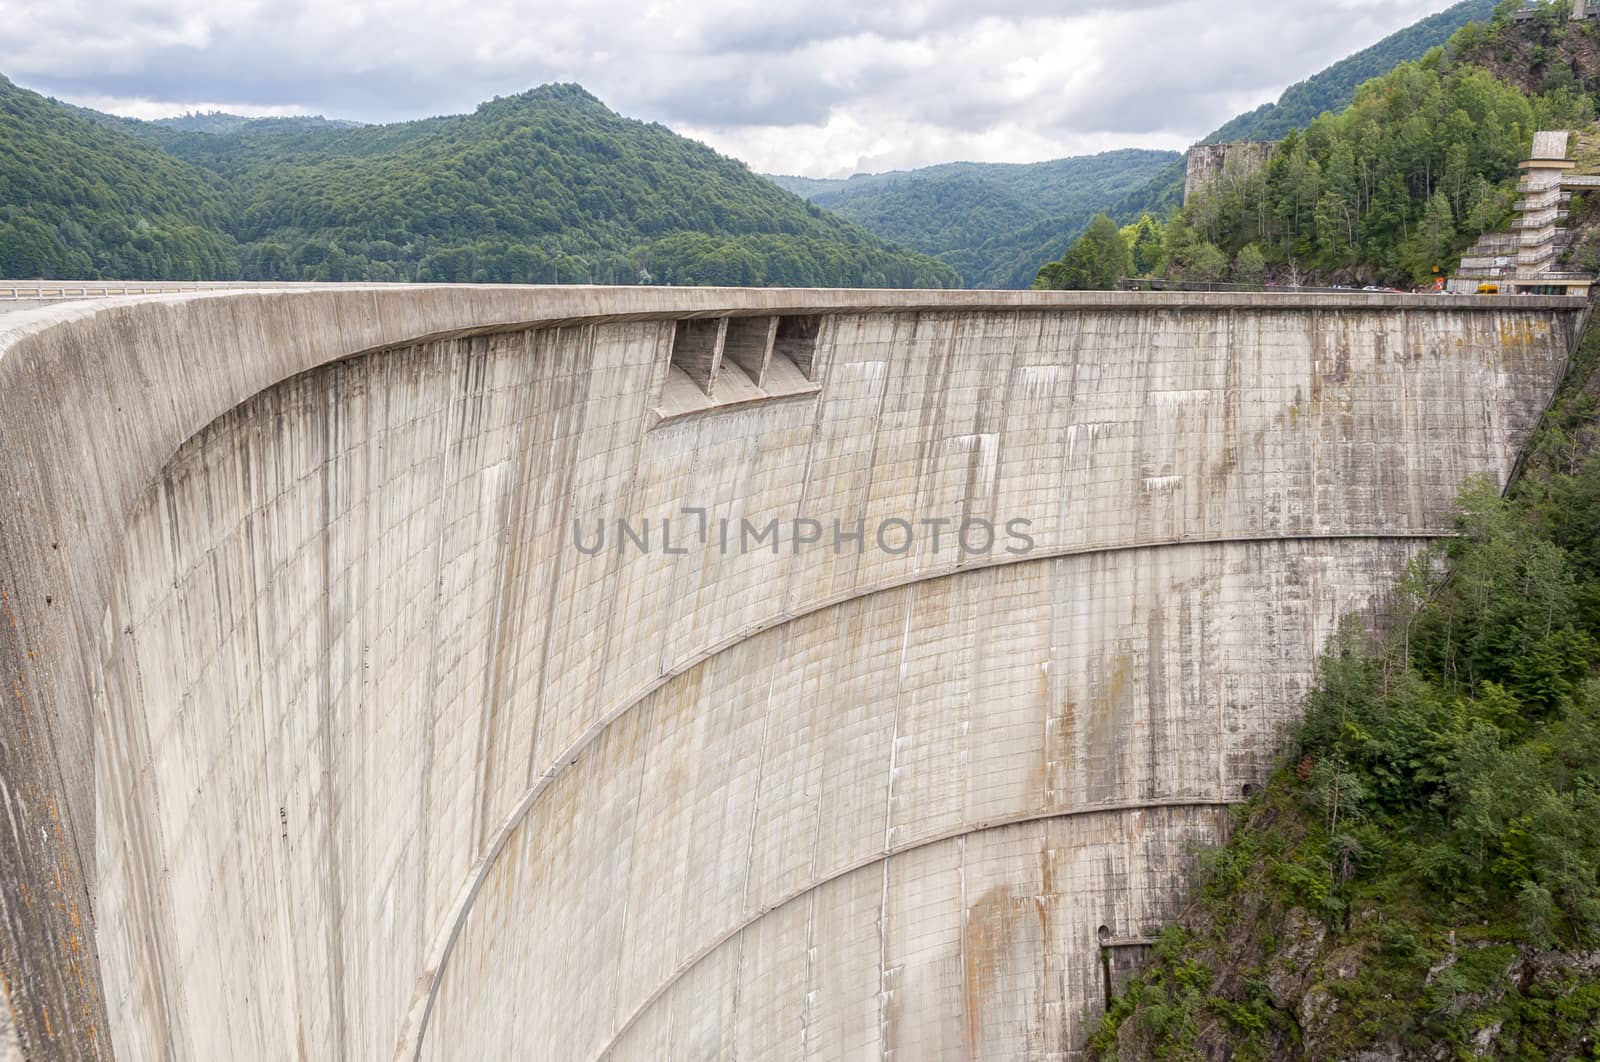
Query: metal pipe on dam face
x=467, y=672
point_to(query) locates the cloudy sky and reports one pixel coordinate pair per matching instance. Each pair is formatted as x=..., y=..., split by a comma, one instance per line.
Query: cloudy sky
x=822, y=88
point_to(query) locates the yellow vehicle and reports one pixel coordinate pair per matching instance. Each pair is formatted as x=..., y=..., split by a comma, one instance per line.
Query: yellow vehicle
x=1488, y=289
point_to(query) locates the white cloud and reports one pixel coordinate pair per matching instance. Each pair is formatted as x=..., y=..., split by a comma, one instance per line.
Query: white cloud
x=823, y=88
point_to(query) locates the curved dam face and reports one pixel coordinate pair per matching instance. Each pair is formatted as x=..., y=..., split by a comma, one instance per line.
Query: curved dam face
x=650, y=673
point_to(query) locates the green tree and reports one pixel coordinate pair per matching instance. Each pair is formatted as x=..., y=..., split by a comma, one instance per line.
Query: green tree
x=1249, y=265
x=1095, y=261
x=1436, y=237
x=1207, y=265
x=1146, y=245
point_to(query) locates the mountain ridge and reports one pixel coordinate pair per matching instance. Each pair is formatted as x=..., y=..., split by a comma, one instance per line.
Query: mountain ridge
x=1011, y=258
x=545, y=185
x=987, y=219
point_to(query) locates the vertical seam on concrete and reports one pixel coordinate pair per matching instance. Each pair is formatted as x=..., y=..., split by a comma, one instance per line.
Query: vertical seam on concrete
x=627, y=891
x=658, y=366
x=457, y=442
x=886, y=1048
x=969, y=1027
x=894, y=733
x=507, y=554
x=563, y=505
x=863, y=503
x=333, y=892
x=291, y=941
x=810, y=986
x=761, y=769
x=679, y=571
x=172, y=1011
x=790, y=591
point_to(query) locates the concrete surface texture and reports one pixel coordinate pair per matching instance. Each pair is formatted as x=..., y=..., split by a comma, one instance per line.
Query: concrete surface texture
x=346, y=720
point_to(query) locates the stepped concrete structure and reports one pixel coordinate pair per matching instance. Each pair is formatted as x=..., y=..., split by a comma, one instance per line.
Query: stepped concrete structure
x=644, y=673
x=1524, y=260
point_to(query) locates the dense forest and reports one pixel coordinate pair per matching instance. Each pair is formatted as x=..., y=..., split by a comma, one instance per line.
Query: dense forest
x=992, y=222
x=1332, y=90
x=1421, y=879
x=82, y=200
x=1388, y=191
x=995, y=223
x=547, y=186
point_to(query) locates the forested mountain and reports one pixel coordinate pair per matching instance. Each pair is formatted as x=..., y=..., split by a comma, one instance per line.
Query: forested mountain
x=991, y=221
x=1335, y=87
x=995, y=224
x=1331, y=90
x=1391, y=189
x=1388, y=191
x=222, y=122
x=80, y=199
x=548, y=185
x=806, y=187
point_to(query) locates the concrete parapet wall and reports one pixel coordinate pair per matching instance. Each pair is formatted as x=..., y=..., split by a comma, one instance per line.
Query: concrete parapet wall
x=329, y=733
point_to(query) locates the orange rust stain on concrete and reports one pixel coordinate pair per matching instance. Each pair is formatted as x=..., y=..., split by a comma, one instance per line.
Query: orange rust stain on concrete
x=1523, y=333
x=982, y=960
x=1059, y=743
x=995, y=924
x=1116, y=686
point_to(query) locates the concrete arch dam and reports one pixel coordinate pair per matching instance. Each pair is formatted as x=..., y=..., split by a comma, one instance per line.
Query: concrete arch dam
x=573, y=673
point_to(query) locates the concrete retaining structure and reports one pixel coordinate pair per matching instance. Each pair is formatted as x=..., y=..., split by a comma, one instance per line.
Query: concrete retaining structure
x=334, y=733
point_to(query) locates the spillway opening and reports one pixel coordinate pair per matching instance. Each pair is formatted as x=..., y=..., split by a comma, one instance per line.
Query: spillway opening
x=722, y=362
x=748, y=346
x=697, y=350
x=796, y=343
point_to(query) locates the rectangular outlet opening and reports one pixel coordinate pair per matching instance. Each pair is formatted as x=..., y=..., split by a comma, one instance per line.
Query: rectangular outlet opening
x=796, y=342
x=697, y=350
x=723, y=363
x=749, y=346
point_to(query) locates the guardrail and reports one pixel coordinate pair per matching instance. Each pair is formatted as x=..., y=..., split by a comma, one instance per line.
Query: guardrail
x=1155, y=284
x=13, y=290
x=19, y=290
x=1524, y=205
